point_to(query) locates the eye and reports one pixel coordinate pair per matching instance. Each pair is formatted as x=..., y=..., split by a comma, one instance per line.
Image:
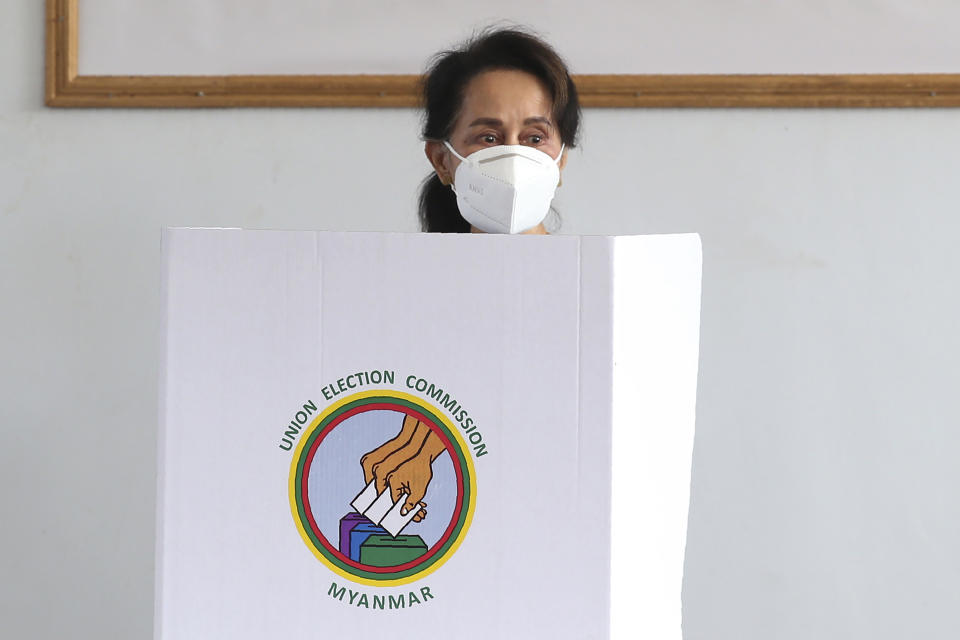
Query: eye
x=488, y=138
x=535, y=139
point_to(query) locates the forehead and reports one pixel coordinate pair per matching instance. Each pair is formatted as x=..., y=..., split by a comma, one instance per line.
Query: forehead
x=505, y=94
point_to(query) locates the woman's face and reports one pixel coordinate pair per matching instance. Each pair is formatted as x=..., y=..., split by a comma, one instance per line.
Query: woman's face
x=500, y=106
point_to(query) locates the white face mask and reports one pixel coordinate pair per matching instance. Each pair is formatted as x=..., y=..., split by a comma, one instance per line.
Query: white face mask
x=506, y=188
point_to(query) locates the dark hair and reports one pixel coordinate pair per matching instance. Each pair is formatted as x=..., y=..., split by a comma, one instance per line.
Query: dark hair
x=443, y=90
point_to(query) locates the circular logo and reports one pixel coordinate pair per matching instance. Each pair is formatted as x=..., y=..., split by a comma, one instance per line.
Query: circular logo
x=382, y=488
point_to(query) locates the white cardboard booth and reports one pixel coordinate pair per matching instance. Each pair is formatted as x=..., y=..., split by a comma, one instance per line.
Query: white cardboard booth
x=372, y=435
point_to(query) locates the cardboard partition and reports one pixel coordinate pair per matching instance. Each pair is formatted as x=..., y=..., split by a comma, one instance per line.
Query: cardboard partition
x=425, y=436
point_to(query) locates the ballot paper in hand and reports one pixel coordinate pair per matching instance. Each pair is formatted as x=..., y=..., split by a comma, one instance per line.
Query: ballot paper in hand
x=382, y=510
x=379, y=508
x=365, y=498
x=395, y=521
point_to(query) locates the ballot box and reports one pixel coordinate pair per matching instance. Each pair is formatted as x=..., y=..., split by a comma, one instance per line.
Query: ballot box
x=408, y=436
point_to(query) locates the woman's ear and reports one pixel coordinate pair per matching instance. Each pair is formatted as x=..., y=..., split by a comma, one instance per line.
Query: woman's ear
x=437, y=155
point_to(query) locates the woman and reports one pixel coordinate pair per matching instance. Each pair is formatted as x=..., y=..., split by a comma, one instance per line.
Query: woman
x=501, y=112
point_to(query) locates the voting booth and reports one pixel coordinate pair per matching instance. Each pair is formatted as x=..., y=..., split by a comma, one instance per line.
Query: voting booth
x=404, y=436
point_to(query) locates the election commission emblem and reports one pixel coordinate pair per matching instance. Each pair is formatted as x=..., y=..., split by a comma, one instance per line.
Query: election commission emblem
x=382, y=487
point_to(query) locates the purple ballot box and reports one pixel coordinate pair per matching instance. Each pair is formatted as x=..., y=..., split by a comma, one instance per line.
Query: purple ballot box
x=347, y=524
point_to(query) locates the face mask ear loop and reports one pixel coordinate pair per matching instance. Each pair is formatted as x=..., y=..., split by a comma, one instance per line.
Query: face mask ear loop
x=454, y=151
x=462, y=159
x=559, y=155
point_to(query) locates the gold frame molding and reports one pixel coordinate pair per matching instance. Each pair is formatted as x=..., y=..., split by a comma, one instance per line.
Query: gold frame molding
x=64, y=88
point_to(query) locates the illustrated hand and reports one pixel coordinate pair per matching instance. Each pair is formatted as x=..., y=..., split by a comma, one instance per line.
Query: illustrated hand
x=373, y=458
x=382, y=469
x=411, y=478
x=414, y=475
x=404, y=465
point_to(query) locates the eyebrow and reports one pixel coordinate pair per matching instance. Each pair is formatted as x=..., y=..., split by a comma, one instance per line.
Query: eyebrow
x=538, y=119
x=494, y=122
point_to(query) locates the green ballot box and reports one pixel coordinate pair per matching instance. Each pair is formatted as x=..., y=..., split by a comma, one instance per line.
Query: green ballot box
x=387, y=551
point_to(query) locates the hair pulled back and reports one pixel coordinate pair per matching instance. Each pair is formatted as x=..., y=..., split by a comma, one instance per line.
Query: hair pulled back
x=443, y=88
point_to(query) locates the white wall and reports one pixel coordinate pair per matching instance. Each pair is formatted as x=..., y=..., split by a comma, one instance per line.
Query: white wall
x=215, y=37
x=825, y=474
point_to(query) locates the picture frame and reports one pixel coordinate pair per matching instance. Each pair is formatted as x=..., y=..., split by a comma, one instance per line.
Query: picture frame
x=65, y=87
